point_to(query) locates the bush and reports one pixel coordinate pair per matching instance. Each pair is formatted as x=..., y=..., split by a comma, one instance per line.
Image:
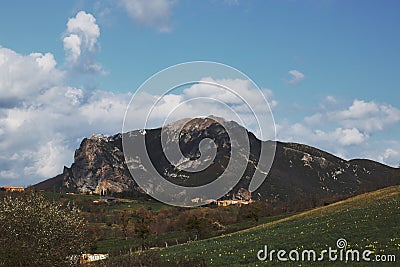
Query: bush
x=36, y=232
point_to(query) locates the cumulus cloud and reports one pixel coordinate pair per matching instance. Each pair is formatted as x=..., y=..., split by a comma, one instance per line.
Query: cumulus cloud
x=38, y=136
x=72, y=44
x=243, y=90
x=103, y=111
x=297, y=77
x=81, y=42
x=42, y=120
x=49, y=157
x=348, y=137
x=207, y=98
x=23, y=77
x=339, y=136
x=386, y=152
x=85, y=25
x=349, y=132
x=150, y=13
x=367, y=116
x=46, y=61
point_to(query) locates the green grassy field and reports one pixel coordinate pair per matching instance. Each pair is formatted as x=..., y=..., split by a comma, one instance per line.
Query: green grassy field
x=369, y=221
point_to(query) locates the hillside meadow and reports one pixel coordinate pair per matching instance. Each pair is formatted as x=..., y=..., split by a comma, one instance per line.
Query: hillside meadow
x=369, y=221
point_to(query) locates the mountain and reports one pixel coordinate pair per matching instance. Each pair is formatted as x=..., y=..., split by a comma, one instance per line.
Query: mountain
x=299, y=172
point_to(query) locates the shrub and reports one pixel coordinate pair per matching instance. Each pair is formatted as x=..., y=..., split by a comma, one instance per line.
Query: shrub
x=37, y=232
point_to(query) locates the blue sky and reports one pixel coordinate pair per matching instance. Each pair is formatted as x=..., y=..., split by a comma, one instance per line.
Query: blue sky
x=329, y=66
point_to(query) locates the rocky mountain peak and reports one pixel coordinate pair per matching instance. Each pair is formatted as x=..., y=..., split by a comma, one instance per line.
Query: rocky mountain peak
x=198, y=124
x=298, y=172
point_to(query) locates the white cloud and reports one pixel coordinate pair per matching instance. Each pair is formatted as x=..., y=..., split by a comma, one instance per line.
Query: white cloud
x=72, y=44
x=388, y=155
x=348, y=137
x=243, y=90
x=389, y=152
x=85, y=25
x=202, y=99
x=42, y=120
x=367, y=116
x=46, y=61
x=359, y=110
x=104, y=111
x=329, y=139
x=81, y=42
x=297, y=77
x=49, y=157
x=349, y=132
x=23, y=77
x=150, y=13
x=314, y=119
x=38, y=137
x=331, y=99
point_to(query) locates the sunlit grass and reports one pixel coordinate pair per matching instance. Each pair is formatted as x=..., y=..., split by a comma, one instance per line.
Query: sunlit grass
x=370, y=221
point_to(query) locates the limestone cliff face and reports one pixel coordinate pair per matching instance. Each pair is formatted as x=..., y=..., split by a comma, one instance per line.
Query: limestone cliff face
x=98, y=166
x=298, y=170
